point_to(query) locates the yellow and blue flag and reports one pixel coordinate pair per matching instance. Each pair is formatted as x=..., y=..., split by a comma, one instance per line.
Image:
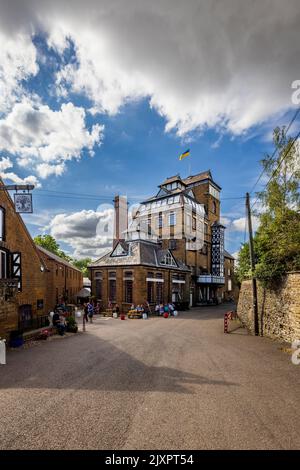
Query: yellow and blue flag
x=184, y=154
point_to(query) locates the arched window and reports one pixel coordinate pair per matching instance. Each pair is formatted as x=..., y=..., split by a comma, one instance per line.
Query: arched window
x=214, y=207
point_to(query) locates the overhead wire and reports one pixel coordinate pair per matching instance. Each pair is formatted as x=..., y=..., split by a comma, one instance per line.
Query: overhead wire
x=275, y=150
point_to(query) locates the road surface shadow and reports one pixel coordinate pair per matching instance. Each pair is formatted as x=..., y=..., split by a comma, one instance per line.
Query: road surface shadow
x=89, y=362
x=206, y=313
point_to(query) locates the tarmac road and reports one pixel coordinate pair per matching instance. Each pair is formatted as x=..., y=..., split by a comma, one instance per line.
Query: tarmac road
x=177, y=383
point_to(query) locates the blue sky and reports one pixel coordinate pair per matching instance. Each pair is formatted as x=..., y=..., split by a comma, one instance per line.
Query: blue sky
x=137, y=154
x=106, y=104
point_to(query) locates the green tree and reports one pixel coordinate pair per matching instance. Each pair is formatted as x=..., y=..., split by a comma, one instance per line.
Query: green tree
x=82, y=264
x=49, y=243
x=242, y=270
x=277, y=240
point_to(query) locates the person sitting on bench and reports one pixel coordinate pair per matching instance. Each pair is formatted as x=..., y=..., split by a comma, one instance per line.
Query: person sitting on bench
x=58, y=323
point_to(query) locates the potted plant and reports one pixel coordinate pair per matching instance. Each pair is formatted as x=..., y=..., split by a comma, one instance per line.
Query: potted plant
x=44, y=334
x=16, y=339
x=72, y=326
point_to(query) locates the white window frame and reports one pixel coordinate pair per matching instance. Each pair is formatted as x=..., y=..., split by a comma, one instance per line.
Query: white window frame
x=172, y=214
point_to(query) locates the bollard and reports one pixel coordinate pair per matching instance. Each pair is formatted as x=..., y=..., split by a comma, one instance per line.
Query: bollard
x=83, y=323
x=225, y=322
x=228, y=316
x=2, y=352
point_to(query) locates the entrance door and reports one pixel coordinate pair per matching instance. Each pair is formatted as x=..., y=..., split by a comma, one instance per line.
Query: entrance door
x=25, y=317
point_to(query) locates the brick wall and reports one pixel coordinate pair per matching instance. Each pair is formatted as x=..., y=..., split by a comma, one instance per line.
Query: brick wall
x=139, y=284
x=17, y=239
x=279, y=309
x=228, y=268
x=60, y=279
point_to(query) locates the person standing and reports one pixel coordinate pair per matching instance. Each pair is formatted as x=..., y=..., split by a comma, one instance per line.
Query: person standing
x=117, y=309
x=85, y=312
x=90, y=309
x=171, y=308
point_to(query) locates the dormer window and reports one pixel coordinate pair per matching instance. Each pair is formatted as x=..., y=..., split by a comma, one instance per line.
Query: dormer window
x=120, y=251
x=168, y=260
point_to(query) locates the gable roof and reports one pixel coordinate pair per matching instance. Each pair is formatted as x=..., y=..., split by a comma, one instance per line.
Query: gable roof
x=228, y=255
x=171, y=179
x=56, y=258
x=203, y=176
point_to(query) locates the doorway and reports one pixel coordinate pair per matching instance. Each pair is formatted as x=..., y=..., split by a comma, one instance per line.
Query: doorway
x=25, y=317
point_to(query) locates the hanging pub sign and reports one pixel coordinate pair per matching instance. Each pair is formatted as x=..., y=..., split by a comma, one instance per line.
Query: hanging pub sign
x=23, y=202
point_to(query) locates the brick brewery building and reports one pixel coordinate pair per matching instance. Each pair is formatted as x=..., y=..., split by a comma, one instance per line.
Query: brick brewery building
x=64, y=280
x=173, y=249
x=27, y=276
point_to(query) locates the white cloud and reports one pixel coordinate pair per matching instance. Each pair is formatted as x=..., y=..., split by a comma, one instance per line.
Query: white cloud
x=44, y=139
x=17, y=63
x=5, y=164
x=88, y=232
x=240, y=224
x=45, y=170
x=225, y=221
x=199, y=63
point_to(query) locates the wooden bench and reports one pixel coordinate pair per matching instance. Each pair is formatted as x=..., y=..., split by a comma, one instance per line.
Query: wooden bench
x=108, y=312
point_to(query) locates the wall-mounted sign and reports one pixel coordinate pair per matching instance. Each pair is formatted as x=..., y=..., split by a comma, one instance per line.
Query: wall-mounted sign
x=23, y=202
x=40, y=304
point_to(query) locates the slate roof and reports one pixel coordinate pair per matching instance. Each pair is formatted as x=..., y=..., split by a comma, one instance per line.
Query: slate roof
x=56, y=258
x=204, y=175
x=228, y=255
x=141, y=252
x=172, y=179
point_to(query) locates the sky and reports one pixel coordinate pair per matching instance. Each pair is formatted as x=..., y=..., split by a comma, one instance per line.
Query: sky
x=100, y=98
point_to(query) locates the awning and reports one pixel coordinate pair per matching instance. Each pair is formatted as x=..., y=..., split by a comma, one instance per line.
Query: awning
x=85, y=292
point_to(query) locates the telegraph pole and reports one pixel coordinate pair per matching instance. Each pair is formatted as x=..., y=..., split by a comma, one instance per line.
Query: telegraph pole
x=252, y=261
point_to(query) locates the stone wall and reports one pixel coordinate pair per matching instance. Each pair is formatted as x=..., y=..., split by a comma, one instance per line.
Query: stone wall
x=278, y=308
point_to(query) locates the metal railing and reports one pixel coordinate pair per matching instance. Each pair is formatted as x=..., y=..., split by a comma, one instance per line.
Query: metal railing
x=33, y=323
x=210, y=279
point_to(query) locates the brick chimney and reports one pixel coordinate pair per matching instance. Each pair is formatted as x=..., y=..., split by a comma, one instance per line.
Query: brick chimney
x=121, y=218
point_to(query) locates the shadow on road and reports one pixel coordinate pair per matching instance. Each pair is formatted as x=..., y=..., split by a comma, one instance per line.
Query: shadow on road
x=88, y=362
x=212, y=312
